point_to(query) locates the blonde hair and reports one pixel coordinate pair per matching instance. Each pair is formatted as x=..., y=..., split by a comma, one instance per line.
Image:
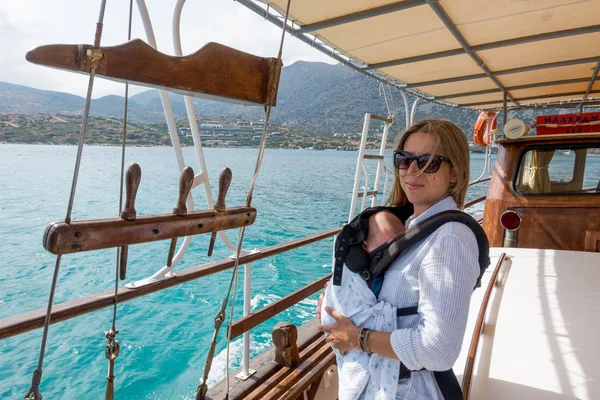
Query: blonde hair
x=449, y=137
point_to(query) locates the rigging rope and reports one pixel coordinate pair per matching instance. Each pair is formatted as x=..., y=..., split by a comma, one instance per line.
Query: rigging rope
x=112, y=348
x=95, y=55
x=220, y=317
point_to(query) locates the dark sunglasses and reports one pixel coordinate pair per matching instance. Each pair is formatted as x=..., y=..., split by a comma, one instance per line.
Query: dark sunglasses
x=403, y=159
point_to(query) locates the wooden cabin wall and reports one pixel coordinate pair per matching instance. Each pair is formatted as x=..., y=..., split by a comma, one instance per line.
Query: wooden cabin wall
x=570, y=222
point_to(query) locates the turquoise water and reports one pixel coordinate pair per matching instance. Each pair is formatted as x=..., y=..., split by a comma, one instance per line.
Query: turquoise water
x=164, y=336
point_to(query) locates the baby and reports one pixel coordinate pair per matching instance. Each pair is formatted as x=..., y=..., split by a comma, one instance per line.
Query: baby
x=359, y=371
x=383, y=227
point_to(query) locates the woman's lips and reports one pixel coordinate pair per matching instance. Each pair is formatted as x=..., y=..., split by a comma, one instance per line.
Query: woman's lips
x=413, y=186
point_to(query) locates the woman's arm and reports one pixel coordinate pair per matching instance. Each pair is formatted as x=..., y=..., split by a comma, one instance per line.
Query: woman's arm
x=446, y=279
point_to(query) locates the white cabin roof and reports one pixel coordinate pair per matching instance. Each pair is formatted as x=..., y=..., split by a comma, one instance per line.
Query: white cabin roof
x=540, y=340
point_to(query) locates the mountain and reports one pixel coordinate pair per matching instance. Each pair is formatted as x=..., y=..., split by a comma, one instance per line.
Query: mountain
x=25, y=100
x=314, y=97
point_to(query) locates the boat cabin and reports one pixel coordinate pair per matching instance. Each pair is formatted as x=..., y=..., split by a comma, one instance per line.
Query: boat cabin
x=544, y=193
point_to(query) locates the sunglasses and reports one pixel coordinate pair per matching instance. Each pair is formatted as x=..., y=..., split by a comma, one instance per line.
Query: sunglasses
x=403, y=159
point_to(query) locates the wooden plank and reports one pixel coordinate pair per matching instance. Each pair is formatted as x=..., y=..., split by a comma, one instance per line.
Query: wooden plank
x=304, y=370
x=264, y=366
x=215, y=71
x=96, y=234
x=272, y=381
x=252, y=320
x=21, y=323
x=314, y=388
x=313, y=377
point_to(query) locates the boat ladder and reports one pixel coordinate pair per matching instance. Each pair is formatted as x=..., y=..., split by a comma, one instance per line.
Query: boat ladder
x=361, y=168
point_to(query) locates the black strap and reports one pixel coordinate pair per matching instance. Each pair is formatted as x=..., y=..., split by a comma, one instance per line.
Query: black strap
x=448, y=384
x=388, y=252
x=403, y=312
x=354, y=233
x=446, y=380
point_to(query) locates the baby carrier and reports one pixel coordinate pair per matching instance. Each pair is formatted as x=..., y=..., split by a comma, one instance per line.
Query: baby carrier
x=372, y=266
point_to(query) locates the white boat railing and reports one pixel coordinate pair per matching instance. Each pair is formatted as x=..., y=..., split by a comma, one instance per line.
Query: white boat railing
x=361, y=167
x=201, y=178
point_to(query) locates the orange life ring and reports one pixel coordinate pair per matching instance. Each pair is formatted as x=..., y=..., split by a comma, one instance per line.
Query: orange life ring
x=484, y=125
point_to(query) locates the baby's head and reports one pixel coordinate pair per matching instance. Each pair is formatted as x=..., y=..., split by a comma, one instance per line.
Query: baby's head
x=383, y=227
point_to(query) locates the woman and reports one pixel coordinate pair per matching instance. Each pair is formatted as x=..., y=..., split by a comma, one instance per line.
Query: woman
x=437, y=274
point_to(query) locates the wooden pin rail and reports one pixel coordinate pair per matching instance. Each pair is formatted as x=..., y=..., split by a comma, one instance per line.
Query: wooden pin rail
x=468, y=373
x=257, y=318
x=96, y=234
x=215, y=71
x=18, y=324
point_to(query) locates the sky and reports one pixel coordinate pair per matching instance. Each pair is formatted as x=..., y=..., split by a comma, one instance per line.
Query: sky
x=26, y=24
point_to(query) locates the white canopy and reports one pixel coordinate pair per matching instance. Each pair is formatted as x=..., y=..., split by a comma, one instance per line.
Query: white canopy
x=462, y=52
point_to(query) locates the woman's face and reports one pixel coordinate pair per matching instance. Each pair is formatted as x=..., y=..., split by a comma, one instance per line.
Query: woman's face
x=425, y=189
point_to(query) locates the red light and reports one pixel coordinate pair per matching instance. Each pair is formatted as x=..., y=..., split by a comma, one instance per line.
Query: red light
x=510, y=220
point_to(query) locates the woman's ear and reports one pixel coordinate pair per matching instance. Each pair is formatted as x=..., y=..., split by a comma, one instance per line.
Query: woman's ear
x=453, y=176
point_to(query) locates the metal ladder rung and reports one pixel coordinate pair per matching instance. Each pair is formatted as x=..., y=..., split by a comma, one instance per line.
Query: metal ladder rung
x=373, y=156
x=371, y=193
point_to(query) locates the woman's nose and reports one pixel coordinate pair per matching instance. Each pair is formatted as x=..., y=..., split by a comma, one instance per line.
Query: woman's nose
x=413, y=168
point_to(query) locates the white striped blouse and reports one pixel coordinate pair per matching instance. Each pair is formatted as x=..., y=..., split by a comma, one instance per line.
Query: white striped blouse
x=438, y=274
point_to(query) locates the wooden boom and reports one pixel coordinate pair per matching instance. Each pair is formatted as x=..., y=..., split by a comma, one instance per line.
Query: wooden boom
x=95, y=234
x=215, y=71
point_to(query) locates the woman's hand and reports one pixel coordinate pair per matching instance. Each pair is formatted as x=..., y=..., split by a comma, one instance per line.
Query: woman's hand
x=343, y=335
x=321, y=296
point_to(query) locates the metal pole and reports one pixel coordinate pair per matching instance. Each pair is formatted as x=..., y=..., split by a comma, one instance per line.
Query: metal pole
x=413, y=111
x=246, y=338
x=504, y=110
x=406, y=109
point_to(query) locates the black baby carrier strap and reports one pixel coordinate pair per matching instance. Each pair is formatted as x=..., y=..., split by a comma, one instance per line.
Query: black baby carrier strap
x=349, y=249
x=348, y=245
x=372, y=267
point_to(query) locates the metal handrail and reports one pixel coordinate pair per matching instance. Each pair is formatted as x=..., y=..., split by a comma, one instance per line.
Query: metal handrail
x=18, y=324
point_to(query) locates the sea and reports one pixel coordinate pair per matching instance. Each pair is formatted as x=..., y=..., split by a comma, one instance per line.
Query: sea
x=164, y=336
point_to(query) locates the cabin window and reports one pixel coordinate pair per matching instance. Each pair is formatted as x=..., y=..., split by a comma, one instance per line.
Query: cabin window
x=556, y=171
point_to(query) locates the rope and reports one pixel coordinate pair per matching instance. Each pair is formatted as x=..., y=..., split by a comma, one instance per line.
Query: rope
x=220, y=317
x=112, y=348
x=382, y=90
x=34, y=392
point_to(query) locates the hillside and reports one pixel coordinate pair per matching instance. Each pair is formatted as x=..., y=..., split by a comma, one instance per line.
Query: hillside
x=315, y=98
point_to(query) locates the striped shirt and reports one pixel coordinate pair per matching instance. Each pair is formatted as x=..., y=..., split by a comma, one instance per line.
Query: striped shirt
x=438, y=274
